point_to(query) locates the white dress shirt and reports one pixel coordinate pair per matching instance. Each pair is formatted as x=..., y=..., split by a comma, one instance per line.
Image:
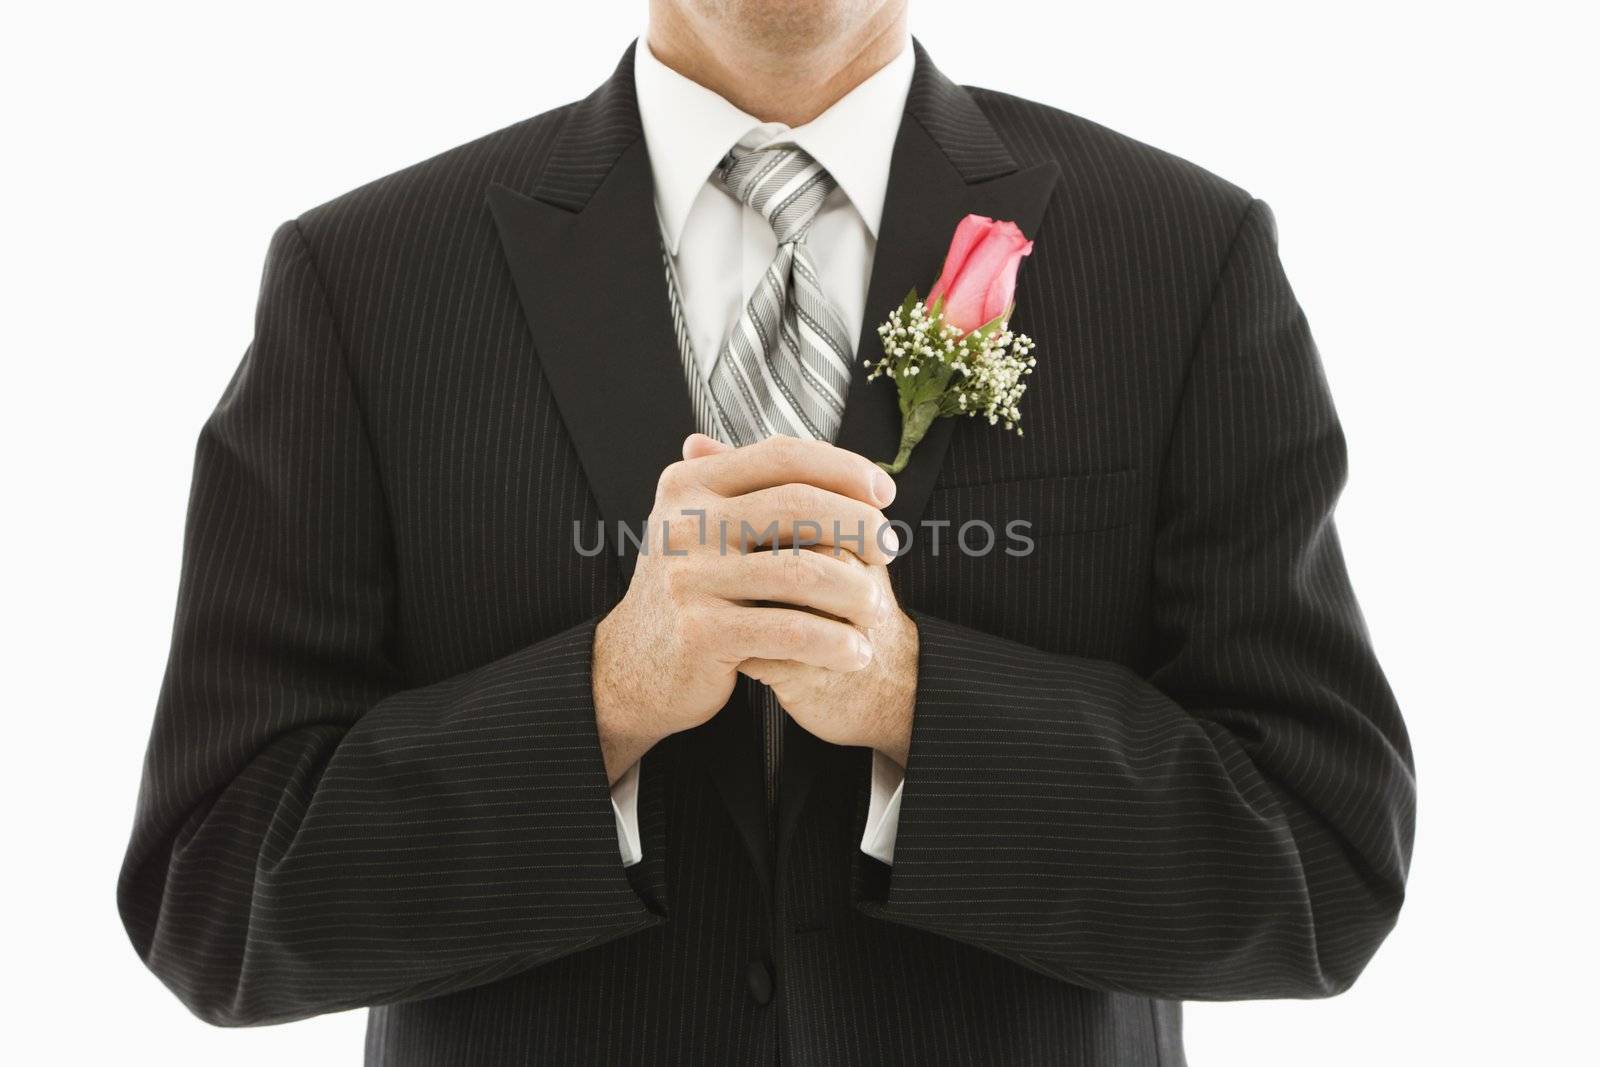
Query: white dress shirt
x=721, y=248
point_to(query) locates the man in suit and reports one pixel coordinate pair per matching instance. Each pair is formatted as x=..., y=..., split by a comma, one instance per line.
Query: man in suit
x=421, y=749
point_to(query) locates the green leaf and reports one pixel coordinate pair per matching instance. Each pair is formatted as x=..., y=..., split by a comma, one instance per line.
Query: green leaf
x=908, y=303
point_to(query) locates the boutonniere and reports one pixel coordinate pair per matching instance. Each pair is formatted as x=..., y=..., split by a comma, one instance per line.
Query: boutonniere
x=953, y=354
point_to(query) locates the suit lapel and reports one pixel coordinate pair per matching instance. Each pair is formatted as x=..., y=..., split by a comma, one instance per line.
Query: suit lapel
x=584, y=250
x=947, y=162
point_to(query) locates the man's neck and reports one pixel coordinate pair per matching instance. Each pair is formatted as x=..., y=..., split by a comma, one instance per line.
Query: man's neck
x=782, y=83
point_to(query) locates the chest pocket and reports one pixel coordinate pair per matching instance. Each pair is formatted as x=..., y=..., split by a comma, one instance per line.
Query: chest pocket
x=1066, y=569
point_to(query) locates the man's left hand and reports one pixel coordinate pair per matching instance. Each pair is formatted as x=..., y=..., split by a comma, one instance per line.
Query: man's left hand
x=871, y=707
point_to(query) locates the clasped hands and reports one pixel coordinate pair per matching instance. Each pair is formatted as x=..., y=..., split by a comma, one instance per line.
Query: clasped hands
x=768, y=561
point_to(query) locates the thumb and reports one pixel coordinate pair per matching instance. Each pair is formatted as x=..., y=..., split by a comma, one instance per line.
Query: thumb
x=698, y=445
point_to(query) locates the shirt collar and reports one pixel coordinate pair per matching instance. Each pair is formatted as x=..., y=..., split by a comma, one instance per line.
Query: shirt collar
x=688, y=128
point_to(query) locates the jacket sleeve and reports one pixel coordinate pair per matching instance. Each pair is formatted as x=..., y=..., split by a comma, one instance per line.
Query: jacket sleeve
x=310, y=834
x=1235, y=821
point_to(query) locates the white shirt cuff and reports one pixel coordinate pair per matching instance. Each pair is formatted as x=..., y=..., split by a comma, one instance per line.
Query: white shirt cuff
x=625, y=806
x=883, y=809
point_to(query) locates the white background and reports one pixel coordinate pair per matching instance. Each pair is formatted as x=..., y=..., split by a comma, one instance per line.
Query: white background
x=1428, y=165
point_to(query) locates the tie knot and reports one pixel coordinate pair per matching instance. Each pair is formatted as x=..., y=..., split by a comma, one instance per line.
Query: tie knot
x=781, y=183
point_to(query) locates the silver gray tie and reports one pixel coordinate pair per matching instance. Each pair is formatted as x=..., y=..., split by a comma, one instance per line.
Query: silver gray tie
x=785, y=367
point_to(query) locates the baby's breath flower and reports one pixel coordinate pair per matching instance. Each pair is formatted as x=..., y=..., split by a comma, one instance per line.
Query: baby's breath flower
x=941, y=371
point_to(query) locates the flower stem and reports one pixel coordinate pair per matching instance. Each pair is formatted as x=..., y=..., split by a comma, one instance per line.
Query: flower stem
x=901, y=458
x=914, y=424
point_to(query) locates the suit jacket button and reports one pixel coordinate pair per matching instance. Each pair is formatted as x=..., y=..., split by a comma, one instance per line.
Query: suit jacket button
x=759, y=977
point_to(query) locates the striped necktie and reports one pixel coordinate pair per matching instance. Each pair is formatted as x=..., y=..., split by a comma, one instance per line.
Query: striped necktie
x=785, y=366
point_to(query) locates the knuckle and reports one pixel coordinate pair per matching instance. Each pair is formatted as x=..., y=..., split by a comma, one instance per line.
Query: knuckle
x=795, y=499
x=797, y=568
x=827, y=645
x=675, y=479
x=784, y=449
x=865, y=597
x=791, y=632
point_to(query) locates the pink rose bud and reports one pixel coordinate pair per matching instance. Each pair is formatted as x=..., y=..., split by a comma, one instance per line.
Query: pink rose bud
x=980, y=272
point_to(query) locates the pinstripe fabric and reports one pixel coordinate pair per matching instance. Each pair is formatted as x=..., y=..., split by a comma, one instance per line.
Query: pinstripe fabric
x=700, y=402
x=1154, y=759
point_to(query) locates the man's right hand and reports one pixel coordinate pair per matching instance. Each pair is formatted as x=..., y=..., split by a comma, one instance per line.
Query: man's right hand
x=702, y=601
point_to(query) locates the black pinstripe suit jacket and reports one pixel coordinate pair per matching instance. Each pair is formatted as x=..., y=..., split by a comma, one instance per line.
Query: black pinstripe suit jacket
x=1153, y=760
